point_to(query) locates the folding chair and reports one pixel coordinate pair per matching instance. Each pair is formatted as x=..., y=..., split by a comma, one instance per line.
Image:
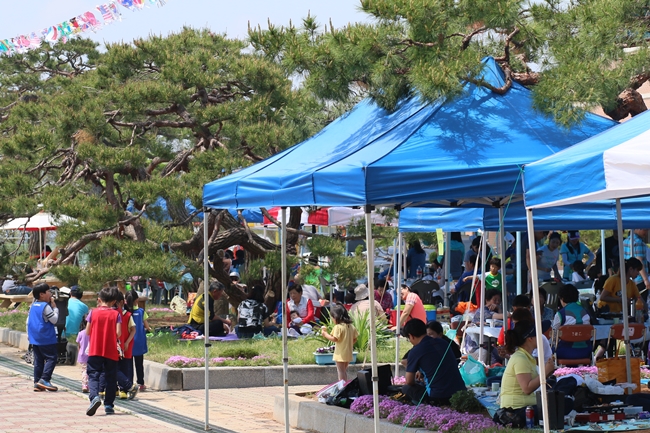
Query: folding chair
x=637, y=334
x=575, y=334
x=552, y=289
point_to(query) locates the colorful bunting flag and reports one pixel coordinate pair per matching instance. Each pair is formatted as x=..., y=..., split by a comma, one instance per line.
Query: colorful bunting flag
x=76, y=25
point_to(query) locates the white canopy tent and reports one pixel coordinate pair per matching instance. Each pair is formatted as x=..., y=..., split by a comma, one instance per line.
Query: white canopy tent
x=612, y=165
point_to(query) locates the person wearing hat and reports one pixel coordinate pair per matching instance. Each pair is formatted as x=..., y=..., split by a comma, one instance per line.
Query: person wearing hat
x=235, y=278
x=521, y=379
x=571, y=313
x=217, y=327
x=76, y=311
x=574, y=250
x=362, y=302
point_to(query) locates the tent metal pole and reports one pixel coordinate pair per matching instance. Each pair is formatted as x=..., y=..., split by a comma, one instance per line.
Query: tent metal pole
x=370, y=248
x=398, y=296
x=502, y=248
x=206, y=316
x=520, y=284
x=482, y=301
x=538, y=317
x=285, y=348
x=603, y=254
x=447, y=257
x=624, y=279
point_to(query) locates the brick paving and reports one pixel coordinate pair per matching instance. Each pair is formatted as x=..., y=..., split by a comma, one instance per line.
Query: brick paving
x=24, y=410
x=245, y=410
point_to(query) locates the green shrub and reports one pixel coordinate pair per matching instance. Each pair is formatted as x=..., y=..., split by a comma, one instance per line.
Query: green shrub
x=466, y=401
x=240, y=352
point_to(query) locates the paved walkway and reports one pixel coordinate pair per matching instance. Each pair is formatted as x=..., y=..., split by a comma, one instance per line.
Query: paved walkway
x=245, y=410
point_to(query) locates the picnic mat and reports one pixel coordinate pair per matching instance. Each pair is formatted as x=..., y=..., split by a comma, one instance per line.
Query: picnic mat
x=229, y=337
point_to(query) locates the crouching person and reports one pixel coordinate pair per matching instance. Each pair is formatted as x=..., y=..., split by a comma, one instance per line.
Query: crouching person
x=432, y=361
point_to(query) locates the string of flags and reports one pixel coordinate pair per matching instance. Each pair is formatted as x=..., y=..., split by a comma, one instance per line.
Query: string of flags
x=84, y=22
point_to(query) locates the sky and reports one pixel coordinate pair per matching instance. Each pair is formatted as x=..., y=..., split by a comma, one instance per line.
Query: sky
x=221, y=16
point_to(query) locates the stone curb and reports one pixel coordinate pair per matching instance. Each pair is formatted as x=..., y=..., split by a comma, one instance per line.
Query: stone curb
x=163, y=378
x=311, y=415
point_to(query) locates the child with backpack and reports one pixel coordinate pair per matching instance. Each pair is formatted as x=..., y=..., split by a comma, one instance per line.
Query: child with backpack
x=127, y=389
x=140, y=340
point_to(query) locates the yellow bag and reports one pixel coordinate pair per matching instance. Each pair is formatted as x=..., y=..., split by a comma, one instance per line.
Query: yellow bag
x=614, y=368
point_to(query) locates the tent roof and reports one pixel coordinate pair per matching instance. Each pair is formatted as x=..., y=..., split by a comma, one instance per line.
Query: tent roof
x=40, y=221
x=613, y=164
x=285, y=179
x=462, y=150
x=593, y=216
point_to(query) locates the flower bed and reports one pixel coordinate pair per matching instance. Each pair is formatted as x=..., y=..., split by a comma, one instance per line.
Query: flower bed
x=424, y=416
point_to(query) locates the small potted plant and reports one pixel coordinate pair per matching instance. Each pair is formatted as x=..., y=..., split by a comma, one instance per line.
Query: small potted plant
x=324, y=355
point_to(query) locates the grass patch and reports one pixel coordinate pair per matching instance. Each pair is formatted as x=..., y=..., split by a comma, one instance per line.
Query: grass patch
x=164, y=346
x=227, y=353
x=15, y=319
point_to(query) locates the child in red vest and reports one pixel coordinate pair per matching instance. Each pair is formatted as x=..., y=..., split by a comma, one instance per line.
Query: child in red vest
x=127, y=389
x=104, y=329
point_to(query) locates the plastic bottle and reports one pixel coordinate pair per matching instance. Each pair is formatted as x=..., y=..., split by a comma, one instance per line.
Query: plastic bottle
x=419, y=273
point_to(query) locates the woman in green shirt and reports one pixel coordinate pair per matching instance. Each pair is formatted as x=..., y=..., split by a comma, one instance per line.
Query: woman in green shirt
x=521, y=379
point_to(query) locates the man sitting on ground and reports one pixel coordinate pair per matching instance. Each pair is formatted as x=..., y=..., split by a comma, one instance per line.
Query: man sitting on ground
x=435, y=361
x=217, y=327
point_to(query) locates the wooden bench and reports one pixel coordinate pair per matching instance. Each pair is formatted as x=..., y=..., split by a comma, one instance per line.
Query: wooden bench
x=10, y=300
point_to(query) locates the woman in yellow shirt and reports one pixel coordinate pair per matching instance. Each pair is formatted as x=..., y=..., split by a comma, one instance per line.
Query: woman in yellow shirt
x=521, y=379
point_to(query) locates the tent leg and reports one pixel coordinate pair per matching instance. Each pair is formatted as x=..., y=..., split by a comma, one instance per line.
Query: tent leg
x=624, y=279
x=502, y=249
x=447, y=255
x=370, y=248
x=482, y=301
x=520, y=283
x=603, y=253
x=397, y=273
x=538, y=317
x=285, y=348
x=206, y=317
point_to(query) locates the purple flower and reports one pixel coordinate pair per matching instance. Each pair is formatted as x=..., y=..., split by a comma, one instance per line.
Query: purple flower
x=440, y=419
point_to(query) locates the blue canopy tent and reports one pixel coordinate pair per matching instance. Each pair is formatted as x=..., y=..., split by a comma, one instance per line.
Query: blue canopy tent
x=466, y=150
x=612, y=165
x=593, y=216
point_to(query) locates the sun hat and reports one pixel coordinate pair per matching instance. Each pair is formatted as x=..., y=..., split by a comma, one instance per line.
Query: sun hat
x=575, y=234
x=361, y=292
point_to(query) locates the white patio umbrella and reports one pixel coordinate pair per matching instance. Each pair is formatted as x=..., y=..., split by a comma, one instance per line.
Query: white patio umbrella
x=42, y=221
